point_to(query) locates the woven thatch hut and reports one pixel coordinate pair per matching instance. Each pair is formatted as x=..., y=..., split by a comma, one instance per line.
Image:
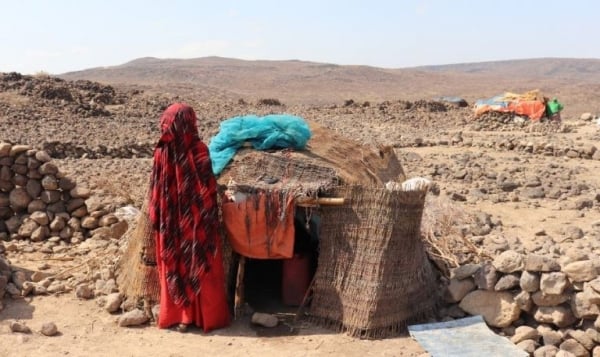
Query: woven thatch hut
x=373, y=275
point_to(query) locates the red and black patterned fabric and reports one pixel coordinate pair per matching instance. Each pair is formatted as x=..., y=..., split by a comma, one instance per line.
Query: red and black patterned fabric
x=183, y=205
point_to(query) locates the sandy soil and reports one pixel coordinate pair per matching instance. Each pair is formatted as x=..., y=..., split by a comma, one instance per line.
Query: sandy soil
x=87, y=330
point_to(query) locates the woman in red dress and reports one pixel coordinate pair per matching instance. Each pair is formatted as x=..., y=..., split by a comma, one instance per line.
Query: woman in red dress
x=184, y=213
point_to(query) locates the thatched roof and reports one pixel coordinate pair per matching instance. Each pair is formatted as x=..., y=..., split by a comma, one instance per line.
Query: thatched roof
x=328, y=160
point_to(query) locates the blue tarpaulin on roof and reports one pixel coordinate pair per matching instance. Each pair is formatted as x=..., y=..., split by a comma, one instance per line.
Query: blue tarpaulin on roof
x=274, y=131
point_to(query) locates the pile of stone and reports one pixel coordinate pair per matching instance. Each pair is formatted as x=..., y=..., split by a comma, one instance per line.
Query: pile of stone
x=38, y=203
x=541, y=147
x=541, y=306
x=61, y=150
x=42, y=210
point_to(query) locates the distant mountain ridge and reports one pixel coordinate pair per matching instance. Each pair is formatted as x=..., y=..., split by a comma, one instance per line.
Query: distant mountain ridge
x=587, y=69
x=304, y=82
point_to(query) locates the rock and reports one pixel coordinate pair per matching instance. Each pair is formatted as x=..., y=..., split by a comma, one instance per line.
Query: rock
x=113, y=302
x=49, y=329
x=49, y=182
x=40, y=218
x=42, y=156
x=552, y=337
x=57, y=287
x=16, y=326
x=497, y=308
x=33, y=188
x=486, y=277
x=582, y=307
x=572, y=232
x=66, y=184
x=119, y=229
x=57, y=224
x=102, y=233
x=19, y=278
x=27, y=228
x=541, y=299
x=527, y=346
x=583, y=338
x=132, y=318
x=524, y=333
x=586, y=116
x=508, y=186
x=529, y=282
x=576, y=254
x=524, y=302
x=4, y=149
x=557, y=315
x=74, y=204
x=562, y=353
x=571, y=345
x=84, y=292
x=534, y=192
x=48, y=168
x=80, y=212
x=596, y=352
x=89, y=222
x=40, y=234
x=106, y=287
x=458, y=289
x=507, y=282
x=18, y=149
x=546, y=351
x=38, y=276
x=19, y=198
x=50, y=196
x=583, y=203
x=581, y=271
x=108, y=220
x=266, y=320
x=590, y=292
x=80, y=192
x=553, y=283
x=509, y=262
x=593, y=333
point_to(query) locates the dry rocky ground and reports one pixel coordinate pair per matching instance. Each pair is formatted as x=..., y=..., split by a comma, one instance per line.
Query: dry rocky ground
x=521, y=203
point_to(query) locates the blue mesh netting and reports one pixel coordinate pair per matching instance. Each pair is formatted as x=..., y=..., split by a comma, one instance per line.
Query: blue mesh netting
x=268, y=132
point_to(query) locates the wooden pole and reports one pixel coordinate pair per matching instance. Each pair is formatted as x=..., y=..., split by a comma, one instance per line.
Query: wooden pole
x=239, y=288
x=320, y=201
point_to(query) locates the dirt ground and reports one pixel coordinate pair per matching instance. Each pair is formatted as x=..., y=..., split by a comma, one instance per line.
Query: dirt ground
x=87, y=330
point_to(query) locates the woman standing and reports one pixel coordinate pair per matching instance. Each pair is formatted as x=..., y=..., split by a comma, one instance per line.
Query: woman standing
x=184, y=213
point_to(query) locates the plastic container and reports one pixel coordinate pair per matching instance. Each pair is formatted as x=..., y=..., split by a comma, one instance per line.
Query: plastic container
x=295, y=279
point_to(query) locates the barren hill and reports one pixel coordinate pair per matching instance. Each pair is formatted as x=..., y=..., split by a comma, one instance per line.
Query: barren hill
x=574, y=81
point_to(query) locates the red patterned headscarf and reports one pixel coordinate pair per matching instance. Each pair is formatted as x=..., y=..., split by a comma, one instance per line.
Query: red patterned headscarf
x=183, y=203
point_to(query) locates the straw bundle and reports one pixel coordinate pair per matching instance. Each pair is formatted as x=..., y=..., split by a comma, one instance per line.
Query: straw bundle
x=373, y=276
x=138, y=276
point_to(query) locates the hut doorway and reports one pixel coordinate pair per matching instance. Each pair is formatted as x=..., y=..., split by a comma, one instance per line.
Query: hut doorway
x=280, y=285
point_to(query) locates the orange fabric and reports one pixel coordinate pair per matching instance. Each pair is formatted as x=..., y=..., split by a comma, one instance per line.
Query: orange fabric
x=533, y=109
x=261, y=227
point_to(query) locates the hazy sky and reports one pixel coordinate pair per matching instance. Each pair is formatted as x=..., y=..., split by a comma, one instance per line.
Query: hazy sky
x=58, y=36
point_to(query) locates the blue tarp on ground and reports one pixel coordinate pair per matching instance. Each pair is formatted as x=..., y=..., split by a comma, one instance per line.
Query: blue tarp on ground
x=468, y=337
x=454, y=100
x=274, y=131
x=496, y=101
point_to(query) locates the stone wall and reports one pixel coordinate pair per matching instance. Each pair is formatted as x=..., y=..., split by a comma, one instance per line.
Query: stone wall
x=42, y=210
x=541, y=306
